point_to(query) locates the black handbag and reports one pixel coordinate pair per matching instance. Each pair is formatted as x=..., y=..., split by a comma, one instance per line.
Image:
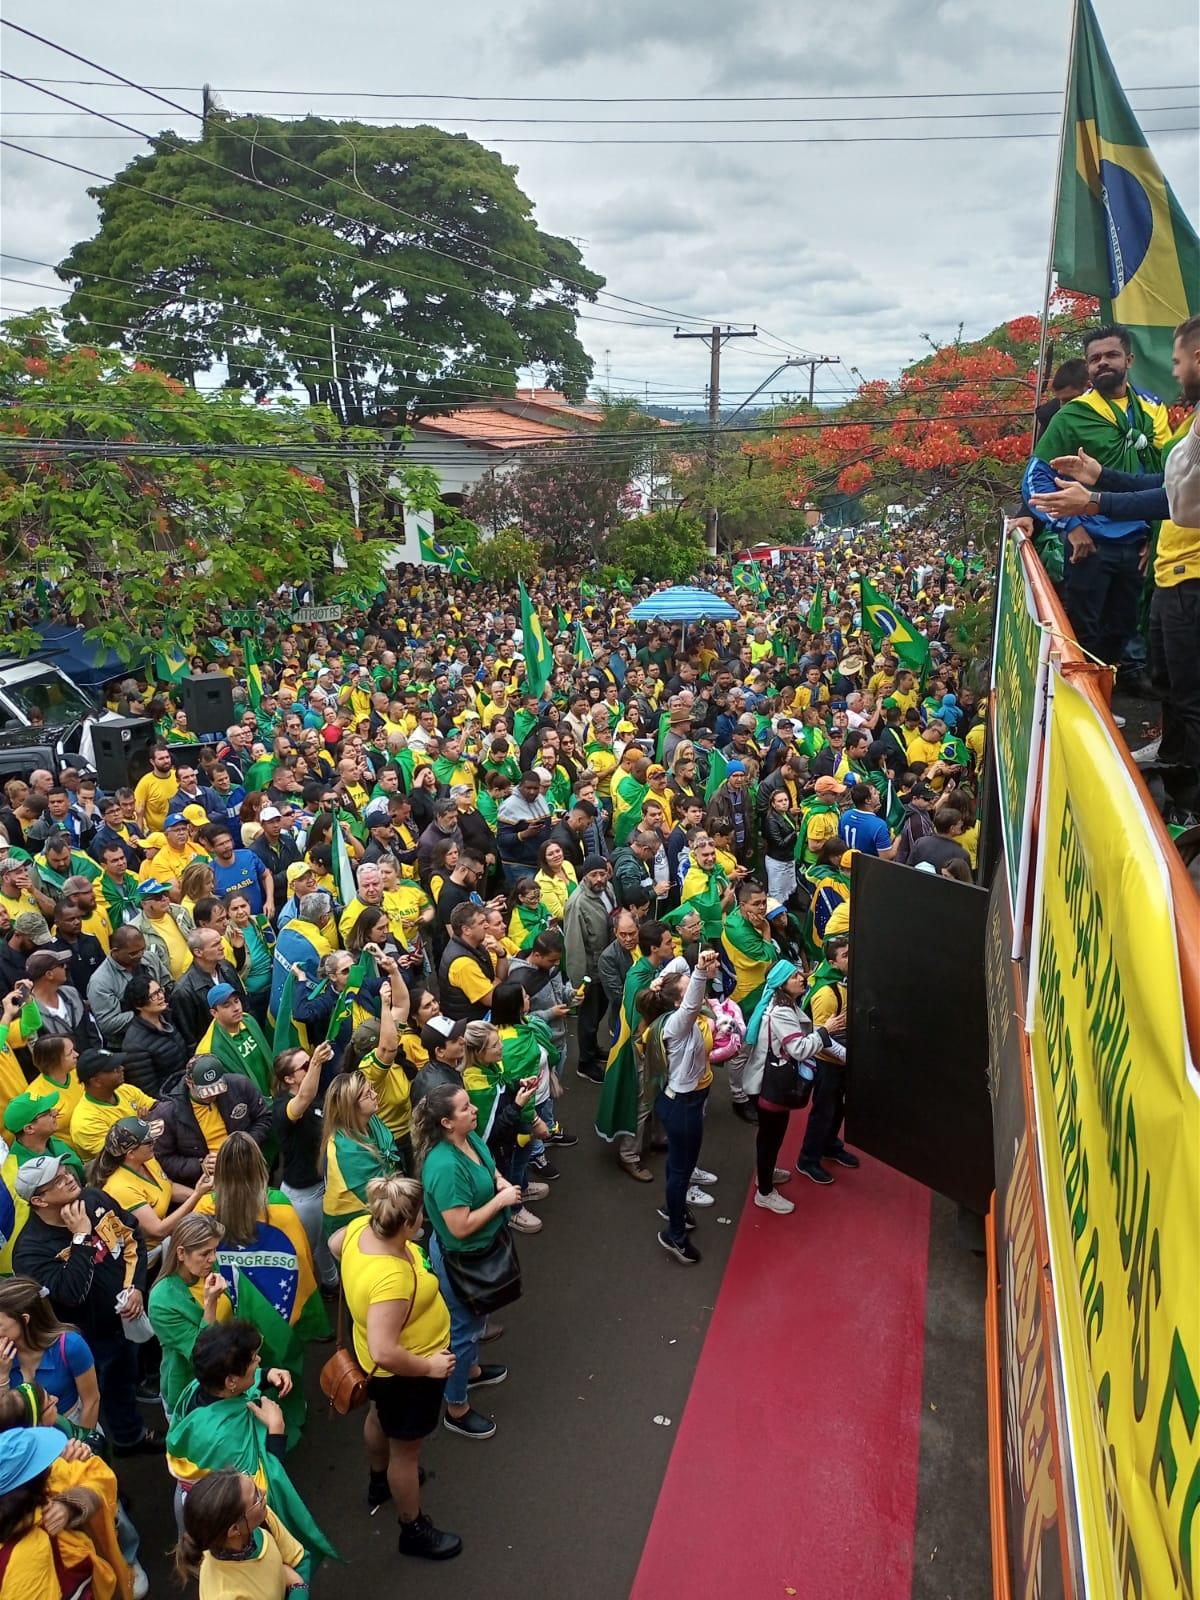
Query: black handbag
x=783, y=1081
x=485, y=1280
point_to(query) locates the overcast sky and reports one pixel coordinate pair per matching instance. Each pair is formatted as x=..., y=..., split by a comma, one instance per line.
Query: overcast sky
x=847, y=249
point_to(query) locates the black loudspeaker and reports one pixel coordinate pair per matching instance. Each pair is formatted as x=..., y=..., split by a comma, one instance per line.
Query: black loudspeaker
x=122, y=747
x=208, y=701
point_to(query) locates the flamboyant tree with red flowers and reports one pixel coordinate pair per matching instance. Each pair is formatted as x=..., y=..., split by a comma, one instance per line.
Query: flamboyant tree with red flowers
x=141, y=500
x=950, y=437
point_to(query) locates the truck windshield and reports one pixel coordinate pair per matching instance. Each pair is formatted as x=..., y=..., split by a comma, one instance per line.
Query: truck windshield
x=48, y=700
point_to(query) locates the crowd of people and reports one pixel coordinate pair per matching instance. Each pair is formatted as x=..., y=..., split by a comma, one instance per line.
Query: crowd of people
x=285, y=1023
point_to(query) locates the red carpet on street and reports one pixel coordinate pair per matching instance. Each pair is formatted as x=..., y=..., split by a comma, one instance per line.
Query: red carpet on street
x=795, y=1466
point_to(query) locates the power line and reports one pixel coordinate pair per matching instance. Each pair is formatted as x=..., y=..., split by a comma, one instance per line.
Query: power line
x=613, y=122
x=652, y=99
x=587, y=290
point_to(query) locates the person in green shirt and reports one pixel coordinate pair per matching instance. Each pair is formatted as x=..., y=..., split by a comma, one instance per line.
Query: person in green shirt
x=466, y=1205
x=32, y=1120
x=118, y=889
x=58, y=862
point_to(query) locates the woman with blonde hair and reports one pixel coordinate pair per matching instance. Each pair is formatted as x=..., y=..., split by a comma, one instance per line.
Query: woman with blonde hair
x=189, y=1295
x=356, y=1146
x=198, y=881
x=265, y=1257
x=401, y=1340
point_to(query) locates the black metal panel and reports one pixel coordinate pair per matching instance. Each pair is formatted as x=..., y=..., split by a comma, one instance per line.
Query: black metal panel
x=917, y=1050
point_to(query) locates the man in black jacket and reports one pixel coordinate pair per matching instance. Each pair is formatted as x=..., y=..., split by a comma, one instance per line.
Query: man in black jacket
x=276, y=849
x=84, y=953
x=189, y=1001
x=89, y=1254
x=199, y=1110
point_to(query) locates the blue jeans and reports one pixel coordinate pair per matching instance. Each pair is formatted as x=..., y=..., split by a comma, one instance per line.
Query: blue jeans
x=683, y=1119
x=465, y=1331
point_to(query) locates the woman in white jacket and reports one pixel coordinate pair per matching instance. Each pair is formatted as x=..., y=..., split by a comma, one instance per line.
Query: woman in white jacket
x=779, y=1031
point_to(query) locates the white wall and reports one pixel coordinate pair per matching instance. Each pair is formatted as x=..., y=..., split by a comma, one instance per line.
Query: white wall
x=462, y=466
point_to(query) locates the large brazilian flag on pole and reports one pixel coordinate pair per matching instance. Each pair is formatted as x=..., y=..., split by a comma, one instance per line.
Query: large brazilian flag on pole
x=1119, y=231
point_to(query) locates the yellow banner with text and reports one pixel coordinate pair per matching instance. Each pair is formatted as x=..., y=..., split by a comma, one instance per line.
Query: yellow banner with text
x=1118, y=1107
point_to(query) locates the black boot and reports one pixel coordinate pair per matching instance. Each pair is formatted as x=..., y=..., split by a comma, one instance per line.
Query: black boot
x=421, y=1538
x=746, y=1109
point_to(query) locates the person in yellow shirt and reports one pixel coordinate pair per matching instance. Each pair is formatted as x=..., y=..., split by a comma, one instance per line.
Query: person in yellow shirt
x=904, y=692
x=153, y=793
x=19, y=1022
x=106, y=1099
x=373, y=1049
x=17, y=892
x=54, y=1059
x=926, y=746
x=408, y=907
x=178, y=851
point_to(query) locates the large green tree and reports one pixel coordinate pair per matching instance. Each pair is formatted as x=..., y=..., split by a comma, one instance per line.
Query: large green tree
x=147, y=504
x=408, y=256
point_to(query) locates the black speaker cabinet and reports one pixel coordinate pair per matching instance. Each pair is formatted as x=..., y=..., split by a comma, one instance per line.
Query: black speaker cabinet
x=122, y=746
x=208, y=701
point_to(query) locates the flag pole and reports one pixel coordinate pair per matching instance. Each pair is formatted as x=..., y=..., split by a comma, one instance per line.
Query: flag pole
x=1040, y=375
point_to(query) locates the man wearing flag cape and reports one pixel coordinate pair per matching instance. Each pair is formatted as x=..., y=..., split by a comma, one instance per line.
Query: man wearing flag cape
x=621, y=1111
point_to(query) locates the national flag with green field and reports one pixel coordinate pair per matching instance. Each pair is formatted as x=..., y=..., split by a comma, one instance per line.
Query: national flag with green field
x=461, y=564
x=362, y=970
x=433, y=549
x=254, y=677
x=883, y=620
x=539, y=664
x=343, y=871
x=582, y=650
x=1119, y=231
x=170, y=661
x=815, y=621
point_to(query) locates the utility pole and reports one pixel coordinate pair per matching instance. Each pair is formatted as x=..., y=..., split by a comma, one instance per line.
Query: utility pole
x=812, y=363
x=715, y=340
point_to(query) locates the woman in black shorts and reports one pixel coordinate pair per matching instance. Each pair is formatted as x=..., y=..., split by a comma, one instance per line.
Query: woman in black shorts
x=402, y=1342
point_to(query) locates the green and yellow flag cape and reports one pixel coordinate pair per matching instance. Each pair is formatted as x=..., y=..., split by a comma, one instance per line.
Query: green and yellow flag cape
x=628, y=797
x=248, y=1053
x=617, y=1108
x=751, y=957
x=207, y=1438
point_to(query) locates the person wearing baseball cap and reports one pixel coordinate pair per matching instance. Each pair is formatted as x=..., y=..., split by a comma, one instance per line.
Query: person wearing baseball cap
x=89, y=1254
x=17, y=891
x=32, y=1460
x=820, y=814
x=235, y=1038
x=106, y=1099
x=30, y=1127
x=177, y=851
x=199, y=1110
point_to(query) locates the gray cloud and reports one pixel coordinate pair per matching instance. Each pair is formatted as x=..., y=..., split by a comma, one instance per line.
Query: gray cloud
x=846, y=248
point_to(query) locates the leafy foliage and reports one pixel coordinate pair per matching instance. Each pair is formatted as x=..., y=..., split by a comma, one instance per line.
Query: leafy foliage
x=507, y=557
x=159, y=536
x=249, y=246
x=662, y=545
x=951, y=436
x=569, y=498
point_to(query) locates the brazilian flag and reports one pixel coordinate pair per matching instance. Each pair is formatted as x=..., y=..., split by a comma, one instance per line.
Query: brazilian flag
x=883, y=620
x=170, y=662
x=581, y=650
x=254, y=677
x=433, y=550
x=815, y=621
x=1119, y=231
x=461, y=564
x=539, y=663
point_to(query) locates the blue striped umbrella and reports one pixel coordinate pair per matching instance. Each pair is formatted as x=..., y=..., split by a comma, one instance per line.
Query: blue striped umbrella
x=684, y=604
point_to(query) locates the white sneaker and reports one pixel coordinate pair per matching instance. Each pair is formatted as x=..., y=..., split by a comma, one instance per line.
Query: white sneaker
x=141, y=1582
x=700, y=1176
x=782, y=1175
x=773, y=1202
x=698, y=1197
x=523, y=1221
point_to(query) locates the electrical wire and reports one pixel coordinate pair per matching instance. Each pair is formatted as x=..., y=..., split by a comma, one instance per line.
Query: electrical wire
x=623, y=99
x=616, y=122
x=589, y=291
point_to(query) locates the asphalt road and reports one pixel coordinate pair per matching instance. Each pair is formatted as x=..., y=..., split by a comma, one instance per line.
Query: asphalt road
x=604, y=1341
